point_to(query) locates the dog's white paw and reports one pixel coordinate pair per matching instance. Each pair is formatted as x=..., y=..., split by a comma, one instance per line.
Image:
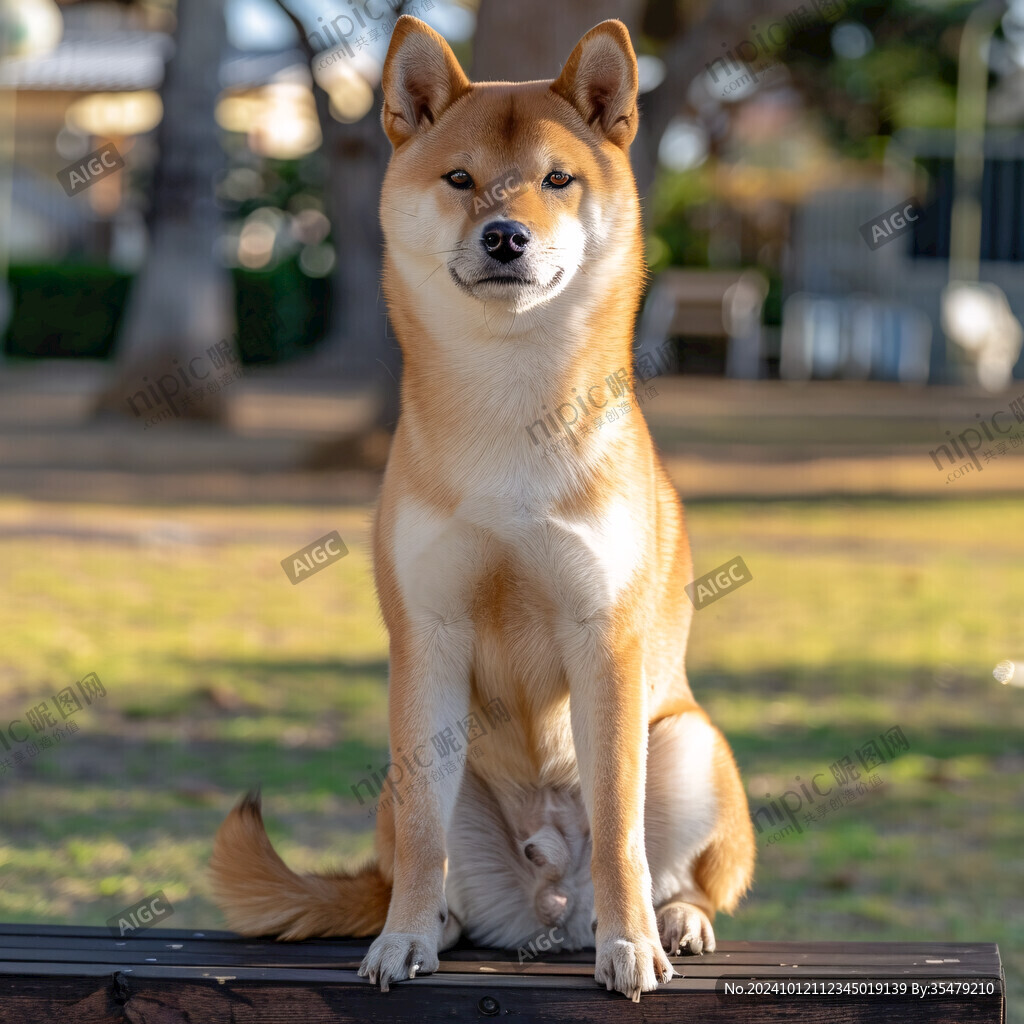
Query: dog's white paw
x=685, y=929
x=395, y=956
x=631, y=966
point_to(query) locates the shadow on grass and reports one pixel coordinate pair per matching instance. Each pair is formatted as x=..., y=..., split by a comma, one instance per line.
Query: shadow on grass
x=352, y=683
x=345, y=668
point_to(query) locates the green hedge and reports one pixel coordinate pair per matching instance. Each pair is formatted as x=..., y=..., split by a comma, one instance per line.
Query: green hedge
x=280, y=313
x=74, y=311
x=71, y=310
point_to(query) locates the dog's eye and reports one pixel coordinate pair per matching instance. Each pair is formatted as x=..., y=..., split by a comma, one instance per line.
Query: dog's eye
x=558, y=179
x=458, y=179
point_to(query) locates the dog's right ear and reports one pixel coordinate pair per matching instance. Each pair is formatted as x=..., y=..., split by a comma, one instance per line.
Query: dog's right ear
x=421, y=79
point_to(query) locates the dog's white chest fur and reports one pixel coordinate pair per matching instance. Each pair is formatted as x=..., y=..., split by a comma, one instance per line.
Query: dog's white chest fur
x=440, y=560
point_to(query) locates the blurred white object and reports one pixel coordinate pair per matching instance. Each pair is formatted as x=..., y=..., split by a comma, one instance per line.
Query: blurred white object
x=1009, y=672
x=978, y=319
x=29, y=27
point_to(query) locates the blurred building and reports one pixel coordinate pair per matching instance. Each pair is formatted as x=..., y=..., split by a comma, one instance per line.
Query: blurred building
x=99, y=85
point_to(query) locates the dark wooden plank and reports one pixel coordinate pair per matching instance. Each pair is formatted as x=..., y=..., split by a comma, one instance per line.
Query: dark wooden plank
x=93, y=931
x=155, y=946
x=968, y=960
x=528, y=975
x=27, y=936
x=709, y=965
x=31, y=931
x=161, y=976
x=164, y=1001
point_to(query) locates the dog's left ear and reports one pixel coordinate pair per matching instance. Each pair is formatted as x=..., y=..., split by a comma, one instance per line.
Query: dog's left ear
x=600, y=80
x=421, y=79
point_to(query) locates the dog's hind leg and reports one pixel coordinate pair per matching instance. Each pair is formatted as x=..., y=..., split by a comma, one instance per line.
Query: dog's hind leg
x=698, y=835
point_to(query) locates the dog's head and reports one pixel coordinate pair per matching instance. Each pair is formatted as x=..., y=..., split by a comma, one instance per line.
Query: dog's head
x=505, y=193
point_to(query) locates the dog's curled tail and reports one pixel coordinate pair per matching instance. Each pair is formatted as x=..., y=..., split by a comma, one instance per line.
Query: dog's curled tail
x=260, y=895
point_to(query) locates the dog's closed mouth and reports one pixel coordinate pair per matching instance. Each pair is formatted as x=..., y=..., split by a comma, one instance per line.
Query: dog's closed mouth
x=506, y=280
x=499, y=279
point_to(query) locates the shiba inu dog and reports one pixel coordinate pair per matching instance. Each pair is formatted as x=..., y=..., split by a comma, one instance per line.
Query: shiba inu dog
x=607, y=804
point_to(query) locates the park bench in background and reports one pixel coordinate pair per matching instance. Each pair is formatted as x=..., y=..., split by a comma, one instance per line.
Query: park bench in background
x=80, y=975
x=722, y=305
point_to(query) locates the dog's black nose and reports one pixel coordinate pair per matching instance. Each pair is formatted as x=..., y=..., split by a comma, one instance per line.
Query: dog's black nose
x=505, y=240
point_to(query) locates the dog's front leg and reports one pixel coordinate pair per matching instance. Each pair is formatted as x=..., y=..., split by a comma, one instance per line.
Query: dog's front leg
x=609, y=723
x=428, y=696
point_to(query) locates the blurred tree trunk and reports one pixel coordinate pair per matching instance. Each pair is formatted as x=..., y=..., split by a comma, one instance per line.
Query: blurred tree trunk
x=181, y=302
x=357, y=344
x=531, y=39
x=358, y=351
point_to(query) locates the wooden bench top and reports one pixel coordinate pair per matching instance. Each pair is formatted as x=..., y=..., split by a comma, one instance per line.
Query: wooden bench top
x=160, y=976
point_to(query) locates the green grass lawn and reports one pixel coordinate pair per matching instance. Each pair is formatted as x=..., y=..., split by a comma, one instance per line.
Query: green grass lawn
x=220, y=674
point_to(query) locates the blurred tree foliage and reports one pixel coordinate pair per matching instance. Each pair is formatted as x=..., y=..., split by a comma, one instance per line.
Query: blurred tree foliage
x=897, y=70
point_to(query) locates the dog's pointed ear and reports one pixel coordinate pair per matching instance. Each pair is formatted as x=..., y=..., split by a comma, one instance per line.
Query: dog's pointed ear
x=421, y=79
x=600, y=80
